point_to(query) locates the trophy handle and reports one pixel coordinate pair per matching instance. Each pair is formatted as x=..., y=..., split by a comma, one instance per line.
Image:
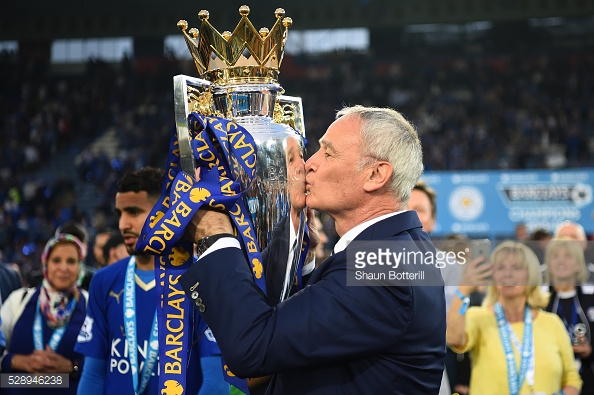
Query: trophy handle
x=189, y=95
x=293, y=263
x=288, y=110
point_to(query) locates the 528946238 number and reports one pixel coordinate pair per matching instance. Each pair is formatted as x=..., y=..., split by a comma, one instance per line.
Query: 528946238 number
x=25, y=380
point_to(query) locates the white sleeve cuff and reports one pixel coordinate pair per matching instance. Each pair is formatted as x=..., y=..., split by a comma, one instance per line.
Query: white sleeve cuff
x=308, y=267
x=224, y=242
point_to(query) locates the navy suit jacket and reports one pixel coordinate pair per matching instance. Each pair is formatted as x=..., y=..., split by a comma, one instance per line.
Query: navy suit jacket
x=329, y=338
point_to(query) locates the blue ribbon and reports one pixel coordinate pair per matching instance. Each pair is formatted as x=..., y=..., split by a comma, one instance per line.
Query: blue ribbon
x=161, y=236
x=131, y=330
x=574, y=317
x=218, y=146
x=515, y=379
x=57, y=335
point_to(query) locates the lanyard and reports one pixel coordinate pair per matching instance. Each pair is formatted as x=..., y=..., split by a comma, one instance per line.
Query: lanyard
x=557, y=309
x=131, y=337
x=574, y=316
x=530, y=371
x=57, y=335
x=526, y=350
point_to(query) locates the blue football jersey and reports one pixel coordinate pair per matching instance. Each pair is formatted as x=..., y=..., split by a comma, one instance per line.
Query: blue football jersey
x=103, y=336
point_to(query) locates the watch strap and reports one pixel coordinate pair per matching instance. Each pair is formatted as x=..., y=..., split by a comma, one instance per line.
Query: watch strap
x=206, y=242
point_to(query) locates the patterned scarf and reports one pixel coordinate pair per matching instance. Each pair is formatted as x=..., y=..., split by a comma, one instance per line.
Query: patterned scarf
x=56, y=306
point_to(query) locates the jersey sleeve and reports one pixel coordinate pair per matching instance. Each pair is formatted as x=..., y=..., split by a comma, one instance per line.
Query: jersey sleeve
x=93, y=339
x=208, y=344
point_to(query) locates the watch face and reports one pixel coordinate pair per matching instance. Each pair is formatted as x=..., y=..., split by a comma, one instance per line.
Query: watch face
x=201, y=246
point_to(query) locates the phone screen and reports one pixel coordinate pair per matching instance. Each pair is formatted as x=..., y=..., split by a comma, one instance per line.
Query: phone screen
x=480, y=247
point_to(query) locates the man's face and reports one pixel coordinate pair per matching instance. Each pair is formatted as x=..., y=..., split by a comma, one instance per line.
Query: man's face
x=295, y=173
x=521, y=233
x=333, y=184
x=419, y=201
x=132, y=209
x=117, y=253
x=100, y=241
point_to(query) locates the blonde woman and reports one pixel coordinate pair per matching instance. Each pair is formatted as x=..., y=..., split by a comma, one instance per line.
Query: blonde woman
x=573, y=301
x=516, y=347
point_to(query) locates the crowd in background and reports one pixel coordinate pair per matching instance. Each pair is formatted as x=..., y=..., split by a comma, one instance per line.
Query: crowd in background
x=504, y=111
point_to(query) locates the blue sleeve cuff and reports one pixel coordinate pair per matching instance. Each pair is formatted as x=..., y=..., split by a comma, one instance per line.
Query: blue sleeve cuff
x=5, y=367
x=92, y=381
x=213, y=382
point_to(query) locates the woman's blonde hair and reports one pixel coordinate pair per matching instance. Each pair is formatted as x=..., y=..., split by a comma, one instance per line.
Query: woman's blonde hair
x=575, y=250
x=535, y=297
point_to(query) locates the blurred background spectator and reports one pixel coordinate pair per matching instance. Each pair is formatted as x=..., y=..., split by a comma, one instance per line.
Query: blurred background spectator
x=517, y=93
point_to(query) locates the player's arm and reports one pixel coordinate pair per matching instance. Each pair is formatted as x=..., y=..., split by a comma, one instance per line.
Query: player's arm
x=92, y=380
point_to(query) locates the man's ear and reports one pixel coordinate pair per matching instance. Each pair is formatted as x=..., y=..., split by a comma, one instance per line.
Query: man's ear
x=377, y=176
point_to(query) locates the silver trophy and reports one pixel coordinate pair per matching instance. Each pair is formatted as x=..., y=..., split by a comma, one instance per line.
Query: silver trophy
x=239, y=81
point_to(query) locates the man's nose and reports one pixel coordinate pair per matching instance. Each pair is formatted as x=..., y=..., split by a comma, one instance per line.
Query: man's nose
x=123, y=224
x=309, y=165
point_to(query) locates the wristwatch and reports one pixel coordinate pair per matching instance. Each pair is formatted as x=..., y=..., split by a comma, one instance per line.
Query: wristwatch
x=203, y=244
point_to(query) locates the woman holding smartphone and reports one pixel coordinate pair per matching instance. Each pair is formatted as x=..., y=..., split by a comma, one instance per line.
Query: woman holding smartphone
x=516, y=347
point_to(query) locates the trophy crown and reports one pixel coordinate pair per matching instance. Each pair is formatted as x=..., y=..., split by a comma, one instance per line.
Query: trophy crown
x=243, y=56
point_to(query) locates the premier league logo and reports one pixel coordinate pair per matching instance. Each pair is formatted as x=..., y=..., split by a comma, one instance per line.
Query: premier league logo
x=86, y=332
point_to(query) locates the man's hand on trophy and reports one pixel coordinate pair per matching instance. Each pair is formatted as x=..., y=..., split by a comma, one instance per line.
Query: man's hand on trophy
x=207, y=223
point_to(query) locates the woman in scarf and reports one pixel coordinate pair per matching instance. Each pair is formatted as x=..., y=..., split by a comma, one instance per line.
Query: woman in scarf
x=516, y=347
x=41, y=324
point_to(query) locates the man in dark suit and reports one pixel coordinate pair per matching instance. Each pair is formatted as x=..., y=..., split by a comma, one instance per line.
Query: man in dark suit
x=331, y=338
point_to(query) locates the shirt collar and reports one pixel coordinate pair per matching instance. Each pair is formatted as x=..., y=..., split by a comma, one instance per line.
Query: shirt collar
x=351, y=234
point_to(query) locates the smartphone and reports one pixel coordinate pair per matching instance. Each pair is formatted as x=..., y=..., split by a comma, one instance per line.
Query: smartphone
x=480, y=247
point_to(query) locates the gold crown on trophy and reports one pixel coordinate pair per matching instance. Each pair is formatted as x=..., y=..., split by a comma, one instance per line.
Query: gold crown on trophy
x=244, y=56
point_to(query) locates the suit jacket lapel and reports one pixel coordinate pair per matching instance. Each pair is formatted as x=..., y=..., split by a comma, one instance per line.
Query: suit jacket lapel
x=383, y=229
x=391, y=226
